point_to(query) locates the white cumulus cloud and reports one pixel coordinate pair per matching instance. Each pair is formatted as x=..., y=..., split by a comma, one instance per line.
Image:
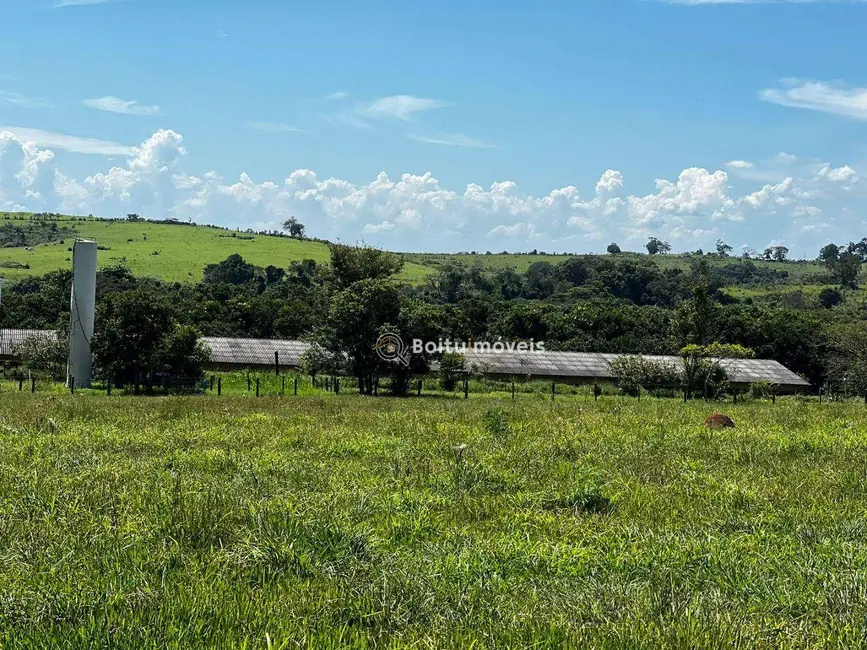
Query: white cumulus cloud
x=415, y=211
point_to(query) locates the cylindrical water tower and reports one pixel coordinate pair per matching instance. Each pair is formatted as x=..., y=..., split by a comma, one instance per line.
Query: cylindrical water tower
x=81, y=313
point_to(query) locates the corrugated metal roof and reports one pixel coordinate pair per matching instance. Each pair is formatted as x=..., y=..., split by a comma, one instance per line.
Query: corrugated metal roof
x=10, y=338
x=576, y=365
x=255, y=352
x=591, y=365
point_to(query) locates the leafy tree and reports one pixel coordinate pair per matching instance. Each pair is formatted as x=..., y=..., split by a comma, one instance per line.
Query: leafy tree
x=317, y=360
x=829, y=254
x=843, y=263
x=351, y=264
x=829, y=297
x=613, y=249
x=44, y=355
x=182, y=356
x=294, y=227
x=704, y=366
x=540, y=280
x=776, y=253
x=723, y=249
x=574, y=270
x=451, y=370
x=129, y=331
x=357, y=316
x=635, y=372
x=273, y=275
x=655, y=246
x=848, y=358
x=233, y=270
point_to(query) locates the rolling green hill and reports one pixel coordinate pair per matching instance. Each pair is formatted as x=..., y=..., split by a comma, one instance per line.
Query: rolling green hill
x=173, y=252
x=179, y=252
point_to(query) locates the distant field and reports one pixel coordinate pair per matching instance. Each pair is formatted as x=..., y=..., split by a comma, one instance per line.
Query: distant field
x=357, y=522
x=521, y=262
x=175, y=253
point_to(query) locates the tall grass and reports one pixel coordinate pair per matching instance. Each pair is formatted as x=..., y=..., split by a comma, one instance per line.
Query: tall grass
x=358, y=522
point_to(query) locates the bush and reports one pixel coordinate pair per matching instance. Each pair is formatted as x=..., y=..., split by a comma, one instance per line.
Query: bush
x=634, y=373
x=43, y=355
x=451, y=370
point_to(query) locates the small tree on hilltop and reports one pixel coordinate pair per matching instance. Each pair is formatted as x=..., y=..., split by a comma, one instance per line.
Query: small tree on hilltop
x=723, y=249
x=844, y=263
x=294, y=228
x=776, y=253
x=656, y=246
x=613, y=249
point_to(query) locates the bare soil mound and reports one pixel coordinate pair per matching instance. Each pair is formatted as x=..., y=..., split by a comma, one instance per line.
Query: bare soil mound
x=719, y=421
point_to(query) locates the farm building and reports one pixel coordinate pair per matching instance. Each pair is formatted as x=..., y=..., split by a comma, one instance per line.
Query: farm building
x=561, y=367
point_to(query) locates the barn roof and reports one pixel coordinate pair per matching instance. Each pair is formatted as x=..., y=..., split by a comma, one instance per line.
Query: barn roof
x=243, y=352
x=595, y=365
x=254, y=352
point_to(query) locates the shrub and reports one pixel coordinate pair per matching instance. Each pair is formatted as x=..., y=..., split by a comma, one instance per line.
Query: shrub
x=636, y=372
x=451, y=370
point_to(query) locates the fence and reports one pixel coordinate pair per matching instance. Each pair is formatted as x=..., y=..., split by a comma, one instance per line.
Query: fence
x=269, y=384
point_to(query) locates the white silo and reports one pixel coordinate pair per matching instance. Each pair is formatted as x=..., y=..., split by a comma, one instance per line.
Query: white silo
x=82, y=313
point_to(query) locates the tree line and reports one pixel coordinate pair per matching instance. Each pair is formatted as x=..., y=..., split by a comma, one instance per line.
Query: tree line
x=591, y=304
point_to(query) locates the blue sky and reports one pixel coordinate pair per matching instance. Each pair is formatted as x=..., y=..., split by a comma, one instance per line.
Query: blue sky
x=445, y=126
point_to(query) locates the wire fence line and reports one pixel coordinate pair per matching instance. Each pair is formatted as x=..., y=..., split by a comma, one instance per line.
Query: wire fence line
x=256, y=383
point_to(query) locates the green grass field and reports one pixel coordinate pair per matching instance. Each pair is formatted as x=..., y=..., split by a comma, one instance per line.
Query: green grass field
x=175, y=253
x=179, y=253
x=326, y=522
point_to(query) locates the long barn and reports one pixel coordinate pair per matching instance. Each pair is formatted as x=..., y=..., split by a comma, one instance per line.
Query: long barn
x=565, y=367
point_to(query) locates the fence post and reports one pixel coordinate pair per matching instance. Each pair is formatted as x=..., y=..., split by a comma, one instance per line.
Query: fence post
x=109, y=382
x=639, y=393
x=72, y=385
x=865, y=396
x=283, y=385
x=553, y=390
x=248, y=382
x=32, y=384
x=419, y=387
x=466, y=388
x=376, y=387
x=513, y=390
x=595, y=392
x=337, y=385
x=296, y=384
x=219, y=386
x=276, y=363
x=684, y=395
x=735, y=396
x=20, y=385
x=774, y=395
x=257, y=387
x=212, y=382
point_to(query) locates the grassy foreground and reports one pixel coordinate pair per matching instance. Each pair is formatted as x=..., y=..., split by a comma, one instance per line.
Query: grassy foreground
x=361, y=522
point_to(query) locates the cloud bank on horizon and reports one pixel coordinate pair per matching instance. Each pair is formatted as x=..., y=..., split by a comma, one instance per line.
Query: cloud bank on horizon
x=808, y=199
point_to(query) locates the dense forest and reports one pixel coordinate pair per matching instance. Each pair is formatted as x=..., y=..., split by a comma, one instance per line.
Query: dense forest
x=596, y=304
